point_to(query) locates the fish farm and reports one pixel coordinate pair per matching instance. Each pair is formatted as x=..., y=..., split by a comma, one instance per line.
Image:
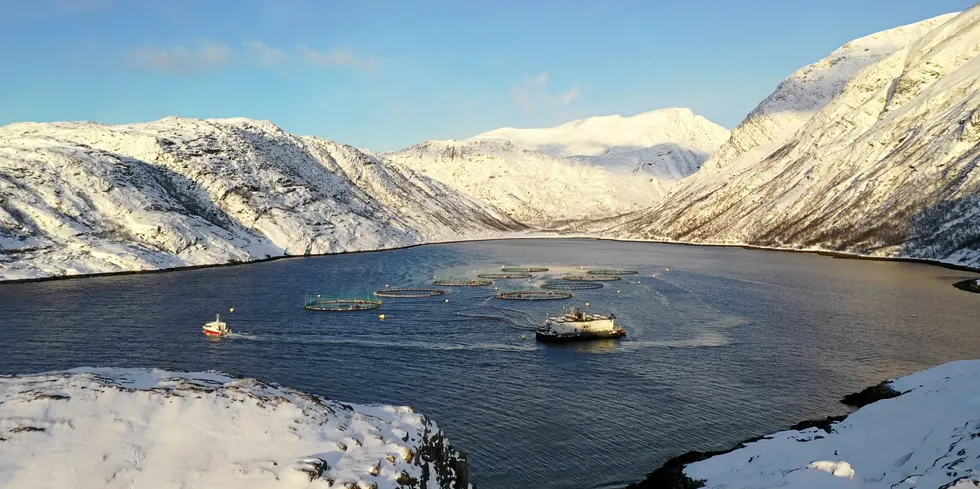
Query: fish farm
x=524, y=269
x=317, y=303
x=591, y=278
x=409, y=293
x=571, y=285
x=462, y=282
x=534, y=295
x=611, y=271
x=504, y=275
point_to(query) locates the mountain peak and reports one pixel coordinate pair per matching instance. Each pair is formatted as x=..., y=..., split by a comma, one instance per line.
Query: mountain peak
x=594, y=136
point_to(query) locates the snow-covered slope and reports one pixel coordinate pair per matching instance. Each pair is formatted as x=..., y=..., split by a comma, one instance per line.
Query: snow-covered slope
x=83, y=198
x=809, y=89
x=666, y=143
x=888, y=167
x=928, y=437
x=124, y=428
x=529, y=186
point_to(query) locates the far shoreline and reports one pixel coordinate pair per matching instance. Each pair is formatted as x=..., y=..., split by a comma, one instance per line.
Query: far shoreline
x=963, y=285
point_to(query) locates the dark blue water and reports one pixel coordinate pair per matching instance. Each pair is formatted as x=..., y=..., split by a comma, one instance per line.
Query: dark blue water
x=728, y=343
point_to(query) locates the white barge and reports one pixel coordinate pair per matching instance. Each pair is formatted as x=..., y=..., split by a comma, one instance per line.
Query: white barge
x=577, y=325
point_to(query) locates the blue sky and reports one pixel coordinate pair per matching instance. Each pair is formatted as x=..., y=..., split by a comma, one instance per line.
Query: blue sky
x=386, y=74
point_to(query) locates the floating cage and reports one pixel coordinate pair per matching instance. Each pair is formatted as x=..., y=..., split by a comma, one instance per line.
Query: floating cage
x=571, y=285
x=534, y=295
x=591, y=278
x=462, y=282
x=504, y=275
x=408, y=293
x=523, y=269
x=611, y=271
x=318, y=303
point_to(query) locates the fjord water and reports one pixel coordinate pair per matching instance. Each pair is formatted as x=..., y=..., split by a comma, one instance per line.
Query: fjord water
x=727, y=344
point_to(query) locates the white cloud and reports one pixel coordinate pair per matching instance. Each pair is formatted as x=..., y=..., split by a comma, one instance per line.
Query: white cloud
x=211, y=56
x=338, y=57
x=264, y=55
x=396, y=110
x=534, y=96
x=180, y=59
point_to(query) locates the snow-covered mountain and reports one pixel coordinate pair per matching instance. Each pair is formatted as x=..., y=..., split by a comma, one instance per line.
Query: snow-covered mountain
x=584, y=170
x=84, y=198
x=887, y=167
x=666, y=143
x=113, y=428
x=531, y=187
x=809, y=89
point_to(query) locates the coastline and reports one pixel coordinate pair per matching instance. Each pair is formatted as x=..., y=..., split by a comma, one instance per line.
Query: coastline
x=963, y=285
x=670, y=475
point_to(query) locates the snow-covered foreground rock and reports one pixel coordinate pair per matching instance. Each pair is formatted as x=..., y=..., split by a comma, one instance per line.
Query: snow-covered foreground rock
x=79, y=198
x=133, y=428
x=928, y=437
x=887, y=167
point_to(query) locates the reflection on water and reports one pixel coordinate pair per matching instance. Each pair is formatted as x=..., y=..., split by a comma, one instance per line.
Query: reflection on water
x=726, y=344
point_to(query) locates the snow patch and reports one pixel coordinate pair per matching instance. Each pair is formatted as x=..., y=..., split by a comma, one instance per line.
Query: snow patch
x=116, y=428
x=927, y=437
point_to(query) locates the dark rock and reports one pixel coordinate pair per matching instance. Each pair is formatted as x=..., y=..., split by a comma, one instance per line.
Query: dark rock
x=27, y=429
x=968, y=285
x=823, y=424
x=975, y=482
x=871, y=394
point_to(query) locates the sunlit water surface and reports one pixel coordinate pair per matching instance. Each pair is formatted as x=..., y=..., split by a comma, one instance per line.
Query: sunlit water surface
x=728, y=343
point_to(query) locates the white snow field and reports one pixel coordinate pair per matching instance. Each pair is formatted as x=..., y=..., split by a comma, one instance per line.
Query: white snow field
x=78, y=198
x=886, y=167
x=667, y=143
x=929, y=437
x=137, y=428
x=584, y=170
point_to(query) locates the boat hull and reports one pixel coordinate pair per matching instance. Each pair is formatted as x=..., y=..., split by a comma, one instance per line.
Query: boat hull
x=547, y=337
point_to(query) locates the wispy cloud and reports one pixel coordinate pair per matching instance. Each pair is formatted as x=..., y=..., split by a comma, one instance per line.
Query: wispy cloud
x=182, y=60
x=396, y=110
x=210, y=56
x=338, y=57
x=534, y=95
x=263, y=54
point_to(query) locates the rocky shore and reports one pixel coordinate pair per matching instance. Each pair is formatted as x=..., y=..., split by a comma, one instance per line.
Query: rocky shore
x=922, y=430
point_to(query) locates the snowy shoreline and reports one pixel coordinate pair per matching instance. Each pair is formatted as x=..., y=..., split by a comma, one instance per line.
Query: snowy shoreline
x=539, y=235
x=124, y=427
x=920, y=430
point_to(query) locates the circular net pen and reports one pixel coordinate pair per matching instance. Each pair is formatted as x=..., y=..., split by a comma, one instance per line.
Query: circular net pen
x=523, y=269
x=611, y=271
x=591, y=278
x=409, y=293
x=571, y=285
x=534, y=295
x=504, y=275
x=340, y=305
x=462, y=282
